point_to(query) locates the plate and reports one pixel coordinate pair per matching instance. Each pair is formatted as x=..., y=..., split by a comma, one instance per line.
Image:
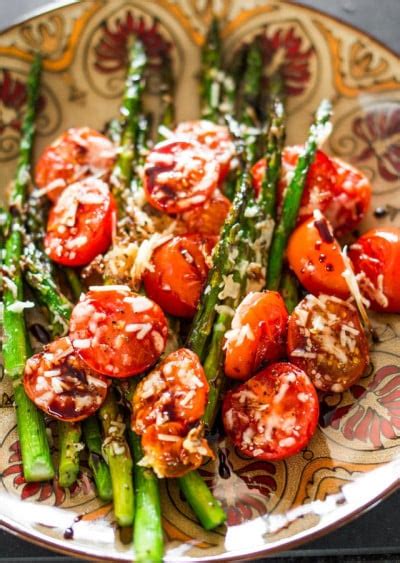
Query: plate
x=353, y=460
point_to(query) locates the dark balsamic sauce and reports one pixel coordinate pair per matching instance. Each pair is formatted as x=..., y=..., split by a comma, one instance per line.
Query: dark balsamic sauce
x=324, y=231
x=380, y=212
x=69, y=532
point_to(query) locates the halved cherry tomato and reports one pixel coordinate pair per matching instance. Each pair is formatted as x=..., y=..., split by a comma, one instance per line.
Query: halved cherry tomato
x=167, y=406
x=62, y=385
x=176, y=391
x=172, y=451
x=341, y=192
x=351, y=200
x=274, y=414
x=180, y=175
x=376, y=260
x=76, y=154
x=215, y=137
x=258, y=334
x=179, y=271
x=80, y=223
x=208, y=219
x=315, y=257
x=118, y=332
x=327, y=341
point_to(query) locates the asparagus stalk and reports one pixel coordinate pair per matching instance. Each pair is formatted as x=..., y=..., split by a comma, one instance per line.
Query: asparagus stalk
x=206, y=507
x=69, y=435
x=216, y=86
x=100, y=470
x=289, y=290
x=130, y=110
x=36, y=459
x=294, y=192
x=117, y=454
x=148, y=533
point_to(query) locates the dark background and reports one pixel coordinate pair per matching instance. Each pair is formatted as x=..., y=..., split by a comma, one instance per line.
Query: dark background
x=376, y=535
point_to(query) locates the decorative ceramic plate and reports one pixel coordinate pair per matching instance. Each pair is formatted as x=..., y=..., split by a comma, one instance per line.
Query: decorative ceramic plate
x=354, y=458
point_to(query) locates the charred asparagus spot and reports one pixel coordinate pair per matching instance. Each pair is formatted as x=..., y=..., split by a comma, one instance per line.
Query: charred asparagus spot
x=36, y=459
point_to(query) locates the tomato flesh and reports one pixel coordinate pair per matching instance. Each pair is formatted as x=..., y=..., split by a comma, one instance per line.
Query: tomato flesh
x=351, y=198
x=208, y=219
x=257, y=335
x=62, y=385
x=274, y=414
x=180, y=175
x=178, y=273
x=80, y=223
x=376, y=259
x=176, y=391
x=118, y=332
x=167, y=407
x=215, y=137
x=341, y=192
x=327, y=341
x=76, y=154
x=315, y=257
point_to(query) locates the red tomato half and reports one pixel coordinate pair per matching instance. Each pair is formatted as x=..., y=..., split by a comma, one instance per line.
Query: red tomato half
x=274, y=414
x=180, y=175
x=167, y=407
x=63, y=386
x=78, y=153
x=315, y=257
x=208, y=219
x=80, y=223
x=326, y=339
x=215, y=137
x=257, y=335
x=351, y=199
x=176, y=391
x=341, y=192
x=117, y=332
x=172, y=451
x=376, y=260
x=178, y=273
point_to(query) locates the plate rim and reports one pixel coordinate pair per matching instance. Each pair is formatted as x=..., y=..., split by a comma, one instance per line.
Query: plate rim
x=47, y=542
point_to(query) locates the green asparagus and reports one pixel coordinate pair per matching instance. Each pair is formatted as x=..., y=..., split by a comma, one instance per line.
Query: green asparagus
x=99, y=468
x=117, y=454
x=36, y=459
x=148, y=534
x=294, y=192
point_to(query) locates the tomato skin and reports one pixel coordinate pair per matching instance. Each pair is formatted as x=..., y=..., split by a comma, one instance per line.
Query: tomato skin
x=166, y=409
x=182, y=453
x=318, y=190
x=315, y=257
x=74, y=394
x=208, y=219
x=176, y=391
x=351, y=200
x=340, y=191
x=274, y=414
x=180, y=175
x=76, y=238
x=76, y=154
x=180, y=268
x=264, y=316
x=118, y=332
x=376, y=260
x=327, y=341
x=215, y=137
